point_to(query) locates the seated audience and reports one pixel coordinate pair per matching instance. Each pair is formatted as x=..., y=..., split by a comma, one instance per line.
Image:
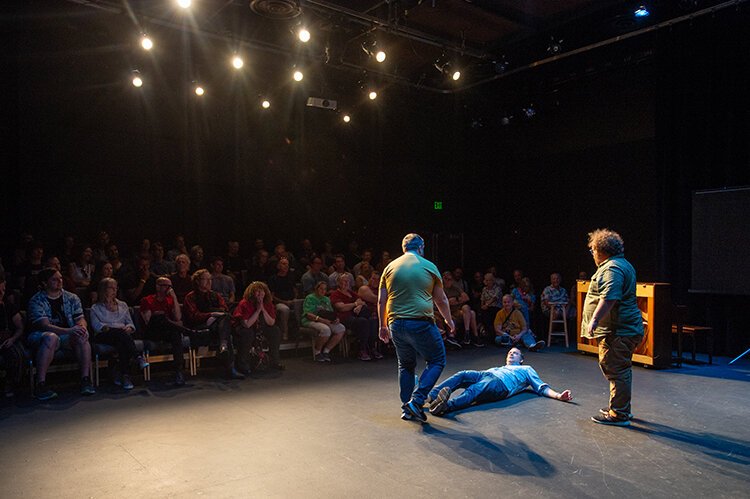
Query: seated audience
x=102, y=242
x=313, y=276
x=103, y=270
x=28, y=270
x=81, y=271
x=233, y=263
x=385, y=259
x=284, y=292
x=256, y=313
x=113, y=326
x=327, y=255
x=525, y=298
x=318, y=314
x=279, y=252
x=139, y=281
x=458, y=280
x=367, y=289
x=366, y=260
x=554, y=293
x=159, y=265
x=57, y=322
x=163, y=318
x=352, y=312
x=461, y=311
x=258, y=270
x=11, y=332
x=306, y=253
x=52, y=262
x=475, y=290
x=517, y=278
x=181, y=279
x=196, y=258
x=178, y=248
x=339, y=268
x=490, y=303
x=206, y=309
x=511, y=328
x=220, y=282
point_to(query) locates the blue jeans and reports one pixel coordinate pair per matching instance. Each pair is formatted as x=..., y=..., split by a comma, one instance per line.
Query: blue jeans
x=410, y=338
x=479, y=386
x=527, y=339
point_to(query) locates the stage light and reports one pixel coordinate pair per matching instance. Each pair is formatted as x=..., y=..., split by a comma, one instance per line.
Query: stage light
x=298, y=76
x=447, y=67
x=303, y=35
x=185, y=4
x=456, y=75
x=136, y=80
x=555, y=46
x=147, y=43
x=237, y=62
x=265, y=104
x=371, y=48
x=199, y=91
x=641, y=11
x=372, y=95
x=347, y=118
x=380, y=56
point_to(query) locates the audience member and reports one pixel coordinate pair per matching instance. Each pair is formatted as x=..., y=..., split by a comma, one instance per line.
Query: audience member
x=517, y=277
x=353, y=313
x=339, y=268
x=511, y=328
x=163, y=318
x=385, y=259
x=256, y=313
x=524, y=296
x=102, y=242
x=233, y=263
x=139, y=282
x=206, y=309
x=366, y=260
x=461, y=312
x=221, y=283
x=103, y=270
x=352, y=255
x=284, y=292
x=313, y=276
x=318, y=314
x=458, y=280
x=181, y=279
x=159, y=265
x=196, y=258
x=57, y=322
x=52, y=262
x=112, y=325
x=306, y=253
x=178, y=248
x=29, y=269
x=491, y=301
x=67, y=252
x=327, y=255
x=11, y=332
x=554, y=293
x=82, y=270
x=279, y=252
x=258, y=270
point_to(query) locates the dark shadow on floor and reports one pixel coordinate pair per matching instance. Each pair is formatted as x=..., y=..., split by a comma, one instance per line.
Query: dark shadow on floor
x=474, y=451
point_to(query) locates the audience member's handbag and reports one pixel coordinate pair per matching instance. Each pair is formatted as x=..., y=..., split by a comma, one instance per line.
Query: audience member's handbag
x=363, y=312
x=326, y=314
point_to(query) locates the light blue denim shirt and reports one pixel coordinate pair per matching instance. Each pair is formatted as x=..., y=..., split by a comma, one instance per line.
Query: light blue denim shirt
x=516, y=378
x=39, y=308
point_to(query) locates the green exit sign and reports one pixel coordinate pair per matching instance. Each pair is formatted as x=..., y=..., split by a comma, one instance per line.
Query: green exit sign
x=438, y=205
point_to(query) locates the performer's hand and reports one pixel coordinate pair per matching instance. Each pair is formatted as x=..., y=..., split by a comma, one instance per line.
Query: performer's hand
x=385, y=334
x=566, y=396
x=451, y=325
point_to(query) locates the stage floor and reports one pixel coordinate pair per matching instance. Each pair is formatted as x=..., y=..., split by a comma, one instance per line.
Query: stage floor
x=334, y=431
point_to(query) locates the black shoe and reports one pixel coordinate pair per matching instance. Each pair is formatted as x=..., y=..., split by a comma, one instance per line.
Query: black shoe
x=414, y=411
x=478, y=343
x=538, y=346
x=319, y=357
x=439, y=406
x=604, y=411
x=86, y=387
x=327, y=356
x=179, y=379
x=42, y=392
x=450, y=340
x=406, y=416
x=607, y=419
x=467, y=340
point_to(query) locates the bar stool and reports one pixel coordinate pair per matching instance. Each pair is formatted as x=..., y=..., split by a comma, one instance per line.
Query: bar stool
x=552, y=321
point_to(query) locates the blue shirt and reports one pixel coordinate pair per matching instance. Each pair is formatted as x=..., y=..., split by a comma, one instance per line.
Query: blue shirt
x=39, y=308
x=516, y=378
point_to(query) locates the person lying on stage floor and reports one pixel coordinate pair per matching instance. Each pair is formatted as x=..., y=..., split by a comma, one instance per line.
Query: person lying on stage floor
x=496, y=383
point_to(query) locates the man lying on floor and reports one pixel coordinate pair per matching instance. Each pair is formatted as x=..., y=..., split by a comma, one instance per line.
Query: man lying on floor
x=494, y=384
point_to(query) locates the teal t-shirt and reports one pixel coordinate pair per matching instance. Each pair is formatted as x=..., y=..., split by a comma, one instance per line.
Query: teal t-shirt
x=409, y=281
x=312, y=304
x=613, y=280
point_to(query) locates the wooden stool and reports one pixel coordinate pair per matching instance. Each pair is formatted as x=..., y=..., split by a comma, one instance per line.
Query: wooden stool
x=552, y=321
x=679, y=316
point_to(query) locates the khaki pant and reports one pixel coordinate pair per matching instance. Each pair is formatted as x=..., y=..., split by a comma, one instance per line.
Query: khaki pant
x=616, y=361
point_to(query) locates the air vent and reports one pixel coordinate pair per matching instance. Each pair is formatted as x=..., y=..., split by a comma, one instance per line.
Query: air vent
x=276, y=9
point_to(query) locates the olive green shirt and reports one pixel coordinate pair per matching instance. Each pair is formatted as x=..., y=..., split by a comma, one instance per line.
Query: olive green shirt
x=409, y=281
x=613, y=280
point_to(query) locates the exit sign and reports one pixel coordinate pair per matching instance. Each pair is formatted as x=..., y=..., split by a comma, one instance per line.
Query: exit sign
x=438, y=205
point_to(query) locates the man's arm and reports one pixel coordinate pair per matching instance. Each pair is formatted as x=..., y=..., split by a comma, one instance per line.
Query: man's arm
x=385, y=334
x=441, y=302
x=565, y=396
x=602, y=309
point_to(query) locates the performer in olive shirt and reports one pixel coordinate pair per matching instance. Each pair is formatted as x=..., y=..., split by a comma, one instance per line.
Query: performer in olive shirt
x=611, y=316
x=408, y=286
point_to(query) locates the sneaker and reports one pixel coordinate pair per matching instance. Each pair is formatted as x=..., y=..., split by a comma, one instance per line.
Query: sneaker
x=117, y=381
x=142, y=363
x=42, y=392
x=327, y=356
x=610, y=420
x=604, y=411
x=364, y=356
x=439, y=406
x=478, y=343
x=414, y=411
x=537, y=346
x=453, y=342
x=406, y=416
x=319, y=357
x=376, y=355
x=86, y=387
x=179, y=379
x=467, y=339
x=127, y=384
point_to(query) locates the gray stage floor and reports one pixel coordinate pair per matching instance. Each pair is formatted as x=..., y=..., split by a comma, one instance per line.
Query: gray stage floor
x=334, y=431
